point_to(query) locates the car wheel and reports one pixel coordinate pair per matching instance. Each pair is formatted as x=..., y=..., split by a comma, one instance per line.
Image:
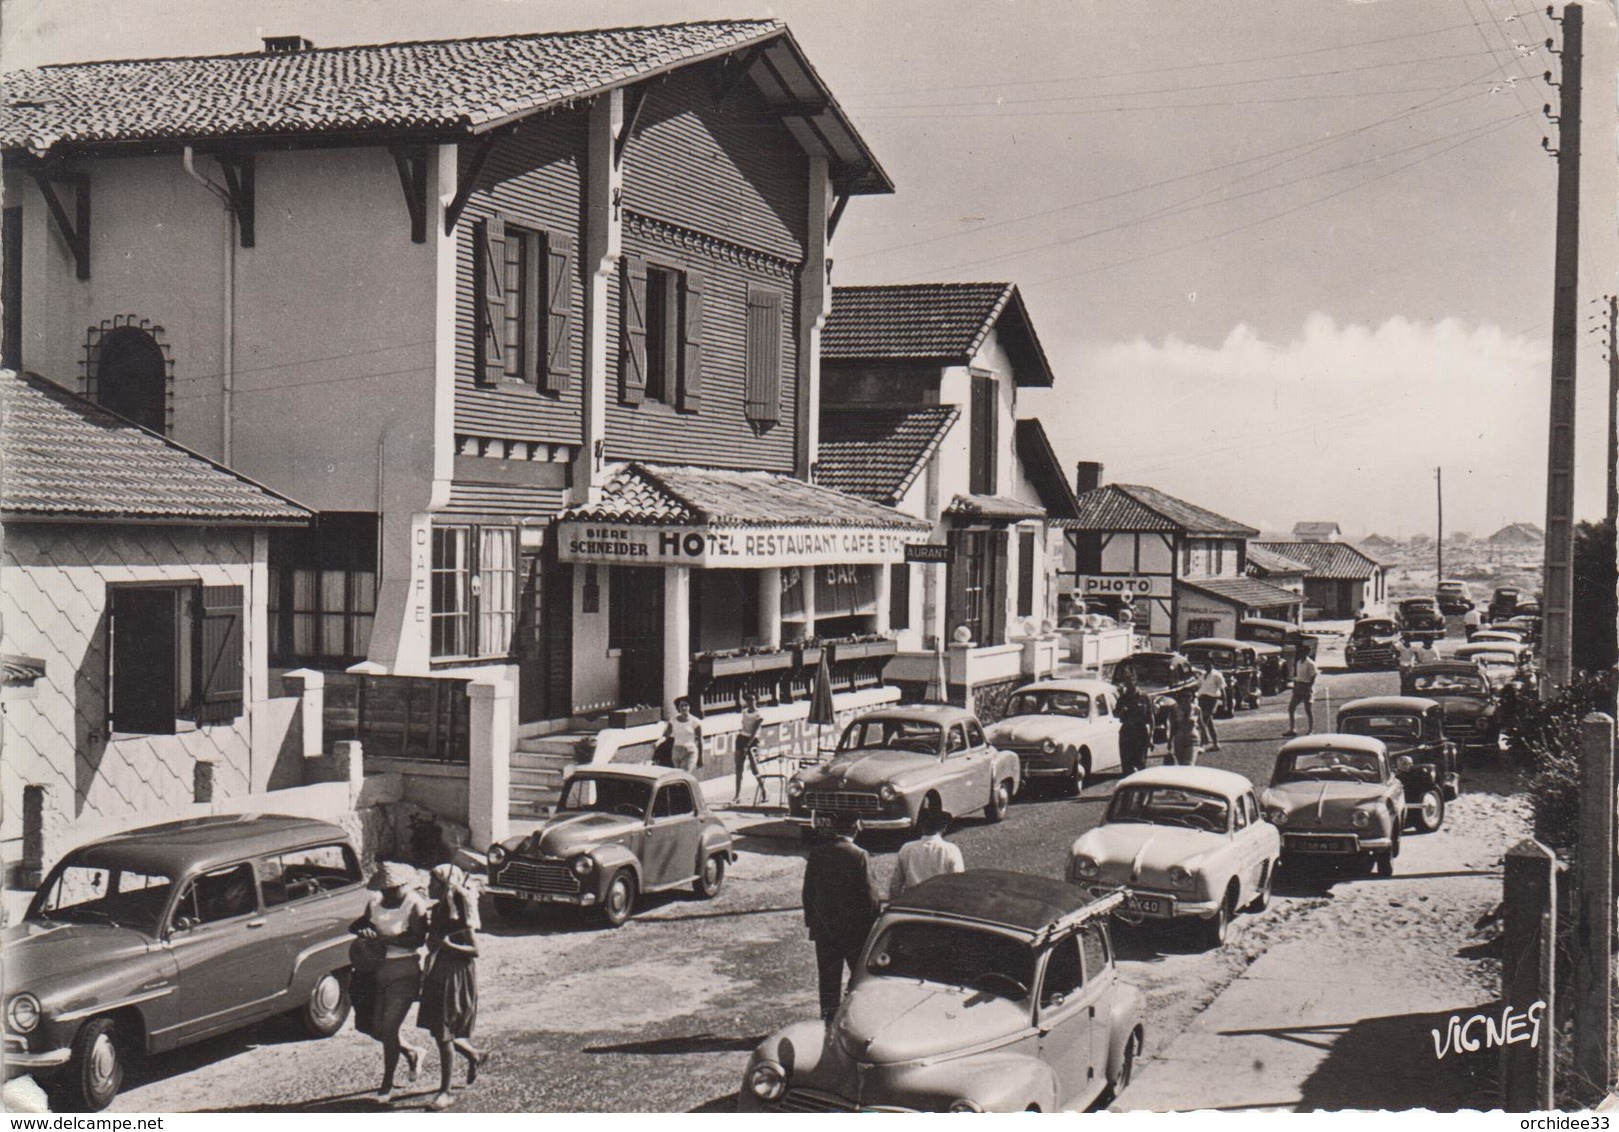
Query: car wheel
x=1127, y=1071
x=1429, y=814
x=327, y=1007
x=1214, y=928
x=713, y=877
x=1261, y=899
x=620, y=899
x=95, y=1071
x=999, y=799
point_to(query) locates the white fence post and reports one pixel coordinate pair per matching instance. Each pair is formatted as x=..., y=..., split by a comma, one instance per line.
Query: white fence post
x=489, y=770
x=309, y=686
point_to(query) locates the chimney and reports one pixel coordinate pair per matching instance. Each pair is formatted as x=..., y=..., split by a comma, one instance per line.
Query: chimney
x=286, y=44
x=1087, y=476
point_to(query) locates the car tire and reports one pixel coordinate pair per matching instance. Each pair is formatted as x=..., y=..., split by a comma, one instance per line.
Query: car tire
x=1212, y=931
x=1127, y=1071
x=1000, y=798
x=95, y=1071
x=619, y=901
x=712, y=878
x=327, y=1007
x=1429, y=814
x=1261, y=899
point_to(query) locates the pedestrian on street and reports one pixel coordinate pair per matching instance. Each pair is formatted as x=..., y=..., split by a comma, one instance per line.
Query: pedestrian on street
x=1304, y=675
x=683, y=734
x=1472, y=622
x=1185, y=727
x=1211, y=690
x=1427, y=654
x=747, y=747
x=1135, y=710
x=840, y=906
x=1408, y=654
x=928, y=856
x=449, y=1007
x=395, y=928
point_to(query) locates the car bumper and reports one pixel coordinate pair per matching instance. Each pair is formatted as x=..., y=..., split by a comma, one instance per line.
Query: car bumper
x=576, y=899
x=866, y=821
x=1333, y=843
x=28, y=1061
x=1179, y=907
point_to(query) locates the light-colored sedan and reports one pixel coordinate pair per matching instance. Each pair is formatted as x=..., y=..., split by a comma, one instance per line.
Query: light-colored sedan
x=1061, y=730
x=1189, y=842
x=1337, y=797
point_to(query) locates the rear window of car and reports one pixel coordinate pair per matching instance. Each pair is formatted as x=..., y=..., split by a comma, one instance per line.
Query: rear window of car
x=1373, y=628
x=1382, y=726
x=302, y=873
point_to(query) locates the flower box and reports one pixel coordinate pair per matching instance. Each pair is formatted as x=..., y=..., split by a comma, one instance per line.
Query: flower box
x=633, y=716
x=806, y=656
x=714, y=667
x=863, y=650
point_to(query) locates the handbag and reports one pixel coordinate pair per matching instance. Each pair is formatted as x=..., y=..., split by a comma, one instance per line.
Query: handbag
x=366, y=955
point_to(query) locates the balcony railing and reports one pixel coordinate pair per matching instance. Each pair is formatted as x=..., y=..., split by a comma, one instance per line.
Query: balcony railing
x=786, y=675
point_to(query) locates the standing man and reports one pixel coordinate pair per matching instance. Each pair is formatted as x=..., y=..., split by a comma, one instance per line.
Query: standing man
x=840, y=905
x=1185, y=729
x=1211, y=688
x=684, y=734
x=747, y=747
x=1426, y=653
x=1303, y=693
x=1472, y=621
x=1134, y=708
x=1408, y=654
x=928, y=856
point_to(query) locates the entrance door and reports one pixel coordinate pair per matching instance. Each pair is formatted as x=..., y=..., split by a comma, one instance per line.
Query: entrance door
x=545, y=638
x=636, y=614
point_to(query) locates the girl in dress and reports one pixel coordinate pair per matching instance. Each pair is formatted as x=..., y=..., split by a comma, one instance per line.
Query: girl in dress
x=396, y=919
x=450, y=989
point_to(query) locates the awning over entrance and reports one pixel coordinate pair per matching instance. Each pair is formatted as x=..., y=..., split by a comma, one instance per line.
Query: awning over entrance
x=993, y=509
x=677, y=515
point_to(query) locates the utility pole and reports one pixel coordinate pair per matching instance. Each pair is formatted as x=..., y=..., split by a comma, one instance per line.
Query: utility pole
x=1559, y=558
x=1613, y=409
x=1439, y=543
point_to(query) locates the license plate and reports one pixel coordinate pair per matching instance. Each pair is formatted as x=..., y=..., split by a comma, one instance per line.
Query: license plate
x=533, y=897
x=1321, y=844
x=1150, y=905
x=822, y=821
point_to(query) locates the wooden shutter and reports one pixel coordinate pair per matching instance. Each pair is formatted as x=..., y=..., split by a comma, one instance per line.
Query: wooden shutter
x=962, y=547
x=556, y=361
x=763, y=398
x=689, y=398
x=220, y=654
x=489, y=299
x=632, y=333
x=1025, y=574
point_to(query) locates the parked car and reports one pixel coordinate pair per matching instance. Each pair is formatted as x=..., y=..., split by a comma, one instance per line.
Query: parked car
x=1503, y=604
x=892, y=764
x=1374, y=642
x=619, y=831
x=1413, y=730
x=1337, y=797
x=1160, y=675
x=1503, y=662
x=1237, y=660
x=1469, y=701
x=1525, y=625
x=1420, y=620
x=1276, y=670
x=1454, y=596
x=172, y=934
x=1190, y=844
x=1503, y=631
x=983, y=991
x=1061, y=730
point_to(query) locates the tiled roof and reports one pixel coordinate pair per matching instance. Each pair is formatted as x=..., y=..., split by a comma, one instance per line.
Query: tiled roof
x=1044, y=470
x=66, y=458
x=459, y=86
x=932, y=322
x=994, y=507
x=1315, y=530
x=1135, y=507
x=1328, y=560
x=1265, y=562
x=1249, y=593
x=877, y=451
x=717, y=497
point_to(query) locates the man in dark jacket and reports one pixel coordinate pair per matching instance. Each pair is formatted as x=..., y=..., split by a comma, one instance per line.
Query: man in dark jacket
x=840, y=905
x=1135, y=712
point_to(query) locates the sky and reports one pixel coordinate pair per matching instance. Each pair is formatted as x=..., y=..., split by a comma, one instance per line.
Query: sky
x=1286, y=260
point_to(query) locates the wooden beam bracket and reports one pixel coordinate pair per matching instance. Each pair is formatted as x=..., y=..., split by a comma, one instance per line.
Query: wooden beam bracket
x=240, y=181
x=469, y=181
x=634, y=99
x=838, y=205
x=412, y=168
x=76, y=231
x=733, y=70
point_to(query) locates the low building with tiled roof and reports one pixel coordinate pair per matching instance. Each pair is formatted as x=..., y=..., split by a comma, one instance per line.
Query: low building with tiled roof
x=1276, y=569
x=933, y=323
x=879, y=451
x=1311, y=531
x=132, y=614
x=1343, y=581
x=1227, y=601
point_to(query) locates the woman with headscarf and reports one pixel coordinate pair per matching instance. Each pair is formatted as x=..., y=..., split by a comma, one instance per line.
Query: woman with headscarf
x=396, y=920
x=450, y=989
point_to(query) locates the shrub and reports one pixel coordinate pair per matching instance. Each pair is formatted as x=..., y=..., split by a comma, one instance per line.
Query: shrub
x=1550, y=733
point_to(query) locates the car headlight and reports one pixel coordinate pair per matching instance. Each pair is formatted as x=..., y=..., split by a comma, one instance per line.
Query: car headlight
x=1276, y=816
x=767, y=1081
x=887, y=792
x=964, y=1104
x=497, y=855
x=1361, y=819
x=583, y=864
x=795, y=788
x=22, y=1013
x=1179, y=877
x=1086, y=867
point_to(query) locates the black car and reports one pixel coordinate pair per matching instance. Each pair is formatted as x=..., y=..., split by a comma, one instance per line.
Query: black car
x=1374, y=642
x=1160, y=675
x=1472, y=708
x=1505, y=603
x=1238, y=661
x=1413, y=730
x=1453, y=596
x=1276, y=670
x=1420, y=619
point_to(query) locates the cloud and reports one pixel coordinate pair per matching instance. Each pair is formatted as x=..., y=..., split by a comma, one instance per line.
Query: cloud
x=1342, y=422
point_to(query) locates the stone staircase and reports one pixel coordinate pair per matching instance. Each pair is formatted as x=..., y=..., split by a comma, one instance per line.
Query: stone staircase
x=537, y=767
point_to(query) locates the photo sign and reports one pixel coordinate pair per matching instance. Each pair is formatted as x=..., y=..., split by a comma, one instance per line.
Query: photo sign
x=1117, y=585
x=626, y=544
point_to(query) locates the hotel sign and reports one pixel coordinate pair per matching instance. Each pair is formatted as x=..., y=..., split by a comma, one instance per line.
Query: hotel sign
x=631, y=544
x=1117, y=585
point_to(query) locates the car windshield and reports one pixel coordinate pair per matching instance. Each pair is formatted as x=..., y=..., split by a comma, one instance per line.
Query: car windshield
x=955, y=956
x=95, y=894
x=920, y=735
x=1264, y=633
x=1220, y=658
x=1333, y=765
x=625, y=796
x=1170, y=805
x=1449, y=683
x=1402, y=728
x=1379, y=628
x=1050, y=701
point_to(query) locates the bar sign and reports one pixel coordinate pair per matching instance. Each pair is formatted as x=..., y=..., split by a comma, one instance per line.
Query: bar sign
x=937, y=552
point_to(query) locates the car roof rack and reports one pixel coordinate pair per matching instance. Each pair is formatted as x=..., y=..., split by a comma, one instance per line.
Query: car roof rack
x=1101, y=906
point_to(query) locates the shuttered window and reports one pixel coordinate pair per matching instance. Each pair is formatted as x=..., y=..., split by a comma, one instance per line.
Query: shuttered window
x=517, y=333
x=632, y=330
x=173, y=653
x=561, y=266
x=899, y=596
x=661, y=335
x=219, y=654
x=523, y=291
x=1025, y=574
x=489, y=298
x=763, y=399
x=984, y=430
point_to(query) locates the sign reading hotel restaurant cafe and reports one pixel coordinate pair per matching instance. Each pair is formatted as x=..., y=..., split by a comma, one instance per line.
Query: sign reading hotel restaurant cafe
x=1117, y=585
x=634, y=544
x=934, y=552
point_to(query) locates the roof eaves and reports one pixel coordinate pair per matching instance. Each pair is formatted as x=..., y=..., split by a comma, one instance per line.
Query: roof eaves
x=941, y=430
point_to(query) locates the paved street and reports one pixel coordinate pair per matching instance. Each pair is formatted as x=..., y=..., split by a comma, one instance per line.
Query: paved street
x=660, y=1015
